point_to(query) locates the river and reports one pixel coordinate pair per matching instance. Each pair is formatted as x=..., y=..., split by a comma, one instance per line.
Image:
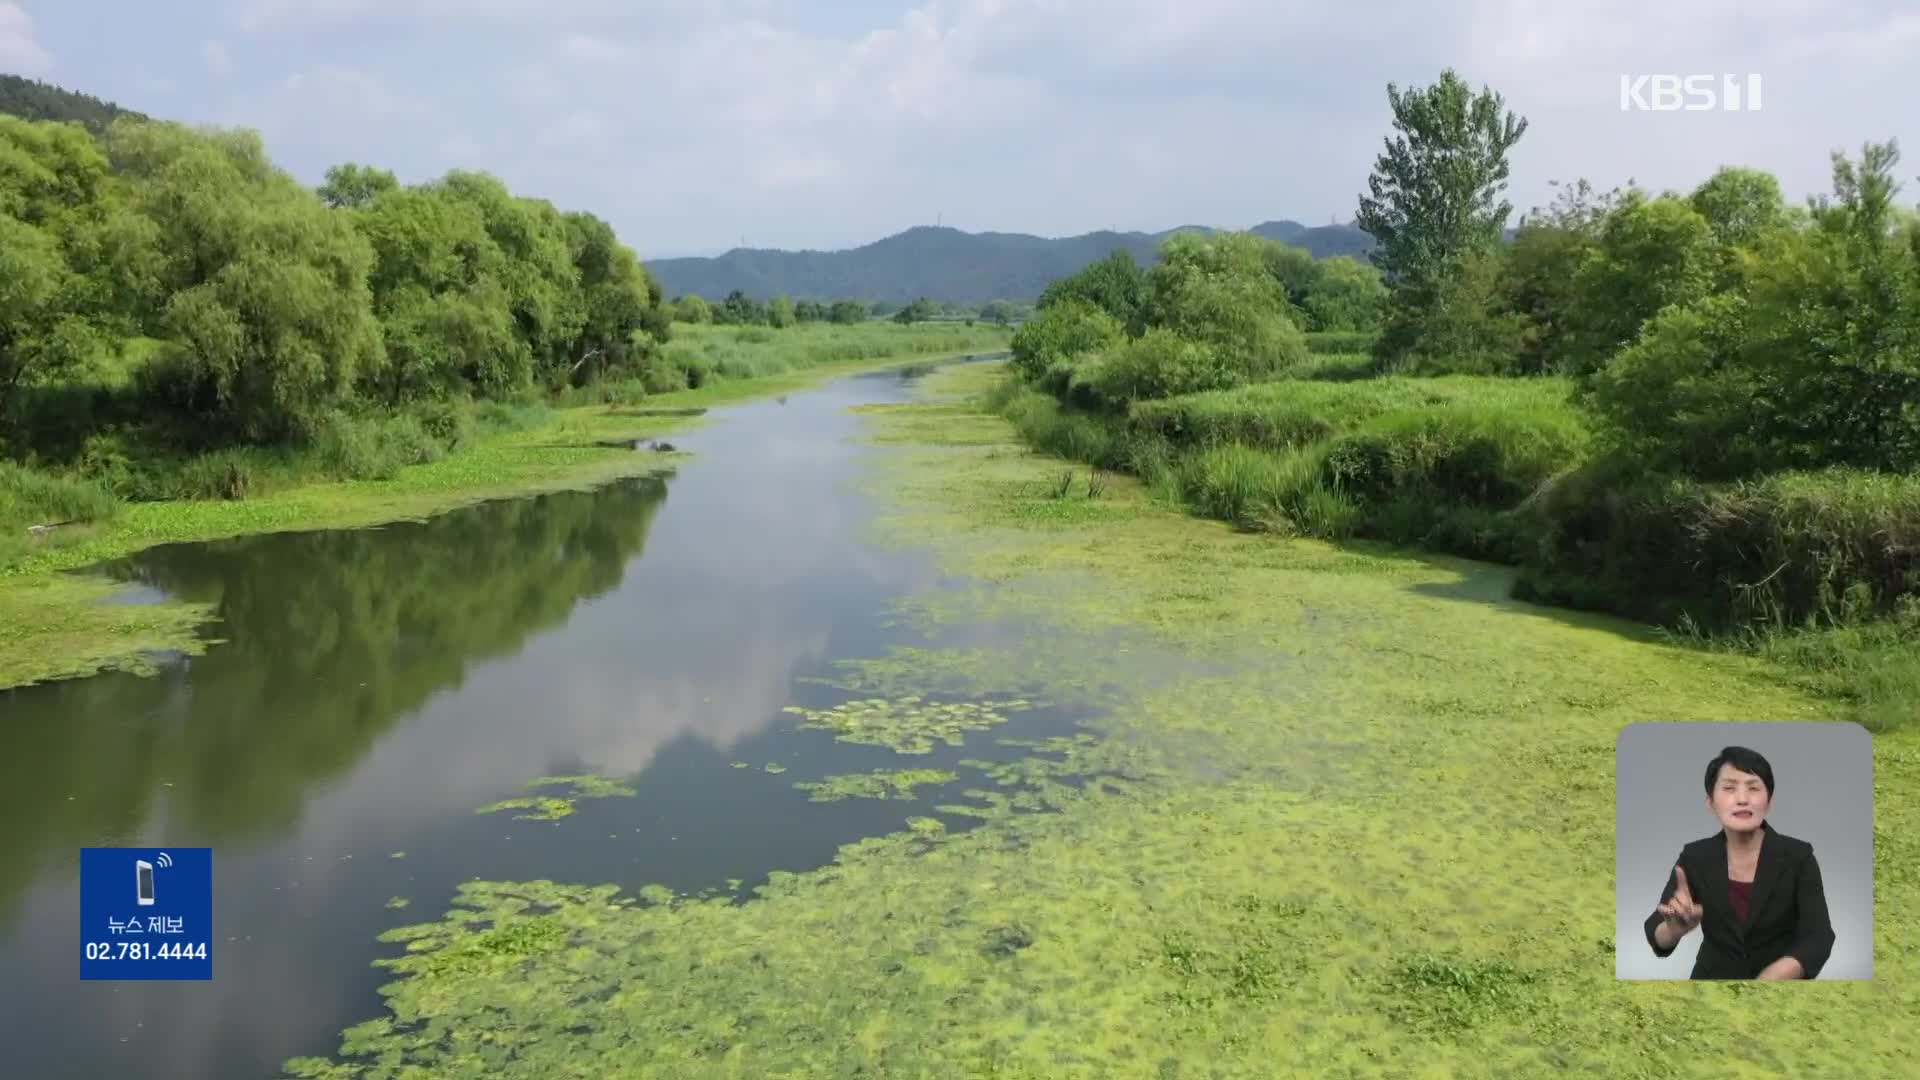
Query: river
x=376, y=687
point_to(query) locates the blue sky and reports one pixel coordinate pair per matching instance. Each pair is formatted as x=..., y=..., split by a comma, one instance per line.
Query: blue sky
x=693, y=126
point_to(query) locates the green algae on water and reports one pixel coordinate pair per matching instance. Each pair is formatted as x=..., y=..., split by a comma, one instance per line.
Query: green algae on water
x=555, y=807
x=1380, y=848
x=878, y=784
x=907, y=725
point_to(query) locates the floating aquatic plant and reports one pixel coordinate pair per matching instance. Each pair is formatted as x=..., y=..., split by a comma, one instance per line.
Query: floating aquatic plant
x=878, y=784
x=555, y=807
x=907, y=725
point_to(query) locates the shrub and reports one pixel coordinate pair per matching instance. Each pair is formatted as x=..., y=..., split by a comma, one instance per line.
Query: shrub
x=1465, y=452
x=1829, y=547
x=372, y=447
x=1061, y=333
x=34, y=497
x=1158, y=365
x=1323, y=342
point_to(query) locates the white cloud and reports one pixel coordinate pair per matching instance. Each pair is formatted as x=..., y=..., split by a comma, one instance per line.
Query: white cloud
x=20, y=49
x=676, y=119
x=594, y=49
x=215, y=54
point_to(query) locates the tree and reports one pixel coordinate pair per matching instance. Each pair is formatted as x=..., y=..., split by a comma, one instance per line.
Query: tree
x=542, y=283
x=1344, y=294
x=1542, y=265
x=739, y=309
x=350, y=185
x=847, y=312
x=920, y=310
x=1810, y=360
x=1461, y=325
x=438, y=286
x=1219, y=290
x=72, y=261
x=692, y=309
x=780, y=313
x=1435, y=191
x=268, y=317
x=624, y=309
x=997, y=312
x=1740, y=206
x=1060, y=334
x=807, y=311
x=1115, y=284
x=1648, y=253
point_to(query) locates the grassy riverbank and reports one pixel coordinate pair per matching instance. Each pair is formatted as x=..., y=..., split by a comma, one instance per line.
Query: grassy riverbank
x=1347, y=813
x=53, y=625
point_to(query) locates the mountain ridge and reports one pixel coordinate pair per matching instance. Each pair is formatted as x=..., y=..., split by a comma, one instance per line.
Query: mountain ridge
x=949, y=264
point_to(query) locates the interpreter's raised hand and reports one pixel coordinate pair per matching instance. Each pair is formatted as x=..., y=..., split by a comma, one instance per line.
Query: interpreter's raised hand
x=1680, y=912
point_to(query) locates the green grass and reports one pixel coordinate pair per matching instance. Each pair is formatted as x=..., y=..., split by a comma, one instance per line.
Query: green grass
x=370, y=471
x=752, y=352
x=1296, y=412
x=1799, y=565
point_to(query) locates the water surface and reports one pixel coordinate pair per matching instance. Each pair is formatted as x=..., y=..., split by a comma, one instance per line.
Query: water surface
x=376, y=686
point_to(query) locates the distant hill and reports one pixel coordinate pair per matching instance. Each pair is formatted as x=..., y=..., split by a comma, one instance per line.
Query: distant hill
x=32, y=99
x=948, y=264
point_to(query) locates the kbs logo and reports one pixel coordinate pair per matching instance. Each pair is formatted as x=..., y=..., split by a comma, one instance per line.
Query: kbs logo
x=1690, y=93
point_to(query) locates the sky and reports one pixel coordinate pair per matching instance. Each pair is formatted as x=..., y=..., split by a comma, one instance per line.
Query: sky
x=695, y=126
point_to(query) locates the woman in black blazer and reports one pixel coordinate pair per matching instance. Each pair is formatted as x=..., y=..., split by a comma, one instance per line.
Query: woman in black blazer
x=1754, y=893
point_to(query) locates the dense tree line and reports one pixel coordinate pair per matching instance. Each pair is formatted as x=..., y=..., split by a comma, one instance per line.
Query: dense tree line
x=1729, y=411
x=740, y=309
x=176, y=282
x=1216, y=311
x=31, y=99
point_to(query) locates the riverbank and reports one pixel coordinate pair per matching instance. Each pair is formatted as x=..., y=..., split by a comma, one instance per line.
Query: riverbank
x=56, y=625
x=1347, y=812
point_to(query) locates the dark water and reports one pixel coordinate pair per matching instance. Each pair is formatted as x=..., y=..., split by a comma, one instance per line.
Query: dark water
x=377, y=686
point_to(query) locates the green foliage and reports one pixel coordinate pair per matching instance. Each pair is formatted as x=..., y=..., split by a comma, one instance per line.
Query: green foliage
x=920, y=310
x=692, y=309
x=1541, y=266
x=998, y=312
x=1340, y=342
x=1218, y=290
x=1061, y=334
x=1832, y=547
x=352, y=186
x=266, y=311
x=739, y=309
x=1813, y=360
x=1740, y=205
x=1159, y=364
x=30, y=497
x=1434, y=192
x=1344, y=295
x=1456, y=323
x=780, y=312
x=1115, y=284
x=372, y=447
x=847, y=312
x=1647, y=254
x=31, y=99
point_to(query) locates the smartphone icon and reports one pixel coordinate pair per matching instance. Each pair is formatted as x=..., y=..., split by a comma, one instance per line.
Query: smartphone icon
x=144, y=870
